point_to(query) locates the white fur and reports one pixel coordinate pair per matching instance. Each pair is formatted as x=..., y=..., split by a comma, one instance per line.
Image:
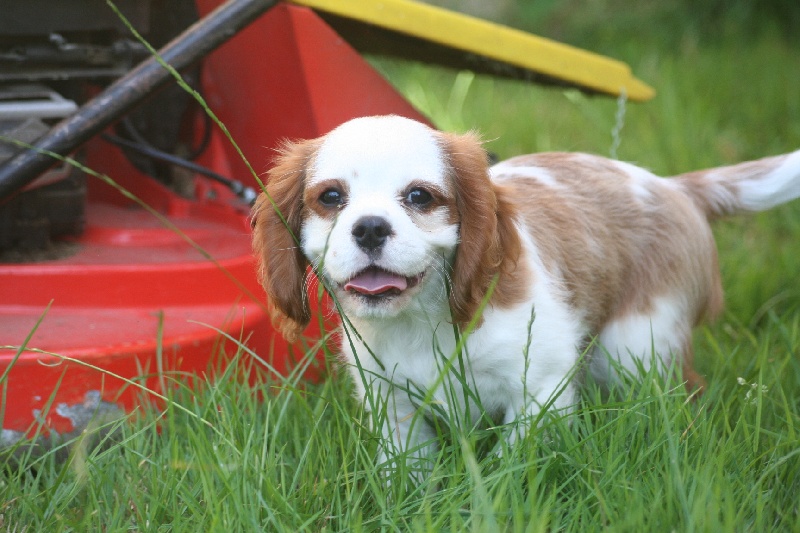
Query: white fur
x=641, y=180
x=376, y=175
x=777, y=187
x=508, y=385
x=641, y=339
x=503, y=170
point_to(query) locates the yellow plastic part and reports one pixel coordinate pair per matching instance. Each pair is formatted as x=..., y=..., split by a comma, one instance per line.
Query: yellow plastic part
x=568, y=64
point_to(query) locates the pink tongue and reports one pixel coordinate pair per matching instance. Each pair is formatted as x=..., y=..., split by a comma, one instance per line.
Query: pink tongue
x=376, y=281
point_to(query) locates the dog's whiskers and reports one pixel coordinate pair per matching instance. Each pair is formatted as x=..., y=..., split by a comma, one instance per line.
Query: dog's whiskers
x=440, y=266
x=311, y=286
x=311, y=282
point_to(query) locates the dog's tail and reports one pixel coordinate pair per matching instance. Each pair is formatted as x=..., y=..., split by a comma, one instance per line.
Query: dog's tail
x=752, y=186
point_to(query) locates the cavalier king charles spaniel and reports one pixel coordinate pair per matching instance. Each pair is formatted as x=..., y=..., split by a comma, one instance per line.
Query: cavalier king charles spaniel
x=450, y=272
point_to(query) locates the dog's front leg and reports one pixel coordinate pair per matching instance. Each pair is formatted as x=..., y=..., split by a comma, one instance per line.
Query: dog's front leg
x=407, y=442
x=554, y=393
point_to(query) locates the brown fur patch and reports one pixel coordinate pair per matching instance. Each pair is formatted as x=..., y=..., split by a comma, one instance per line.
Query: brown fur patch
x=614, y=250
x=489, y=244
x=312, y=194
x=694, y=381
x=277, y=219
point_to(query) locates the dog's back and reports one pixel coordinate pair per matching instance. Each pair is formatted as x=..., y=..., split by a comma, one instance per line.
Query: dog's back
x=633, y=252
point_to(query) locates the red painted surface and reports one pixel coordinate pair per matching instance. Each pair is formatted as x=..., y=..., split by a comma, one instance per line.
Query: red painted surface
x=139, y=284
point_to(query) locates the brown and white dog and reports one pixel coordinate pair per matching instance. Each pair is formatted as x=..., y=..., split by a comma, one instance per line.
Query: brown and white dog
x=411, y=230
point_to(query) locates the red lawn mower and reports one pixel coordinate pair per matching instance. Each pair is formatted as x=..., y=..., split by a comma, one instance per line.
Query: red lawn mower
x=124, y=231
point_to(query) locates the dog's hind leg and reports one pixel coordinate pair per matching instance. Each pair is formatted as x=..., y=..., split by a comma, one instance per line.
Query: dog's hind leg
x=661, y=337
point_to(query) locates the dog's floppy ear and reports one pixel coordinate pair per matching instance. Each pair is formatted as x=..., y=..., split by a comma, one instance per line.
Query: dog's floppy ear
x=277, y=219
x=488, y=241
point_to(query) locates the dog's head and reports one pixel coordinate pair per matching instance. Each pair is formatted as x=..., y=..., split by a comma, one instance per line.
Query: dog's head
x=388, y=212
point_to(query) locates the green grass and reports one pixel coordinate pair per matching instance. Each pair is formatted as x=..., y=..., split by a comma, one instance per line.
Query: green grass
x=647, y=459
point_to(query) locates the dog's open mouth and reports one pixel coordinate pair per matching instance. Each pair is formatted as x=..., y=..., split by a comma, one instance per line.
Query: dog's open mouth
x=374, y=281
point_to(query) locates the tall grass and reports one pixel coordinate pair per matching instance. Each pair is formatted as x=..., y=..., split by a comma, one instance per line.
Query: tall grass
x=286, y=455
x=302, y=459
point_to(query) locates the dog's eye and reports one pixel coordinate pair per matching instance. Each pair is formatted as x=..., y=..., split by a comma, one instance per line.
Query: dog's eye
x=419, y=197
x=331, y=198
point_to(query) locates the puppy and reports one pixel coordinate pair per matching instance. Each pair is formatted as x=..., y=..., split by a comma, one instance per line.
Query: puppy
x=449, y=272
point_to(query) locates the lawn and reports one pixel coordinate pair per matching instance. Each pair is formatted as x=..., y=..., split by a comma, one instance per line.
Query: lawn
x=648, y=458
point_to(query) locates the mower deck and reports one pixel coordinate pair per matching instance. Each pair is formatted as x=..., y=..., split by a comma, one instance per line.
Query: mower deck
x=130, y=289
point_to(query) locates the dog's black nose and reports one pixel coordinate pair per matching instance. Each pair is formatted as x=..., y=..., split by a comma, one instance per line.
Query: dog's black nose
x=370, y=232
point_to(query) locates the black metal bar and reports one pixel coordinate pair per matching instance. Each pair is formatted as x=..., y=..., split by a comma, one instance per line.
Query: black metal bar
x=245, y=193
x=130, y=90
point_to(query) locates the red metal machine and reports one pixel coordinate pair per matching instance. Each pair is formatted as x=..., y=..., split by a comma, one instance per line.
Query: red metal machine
x=150, y=269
